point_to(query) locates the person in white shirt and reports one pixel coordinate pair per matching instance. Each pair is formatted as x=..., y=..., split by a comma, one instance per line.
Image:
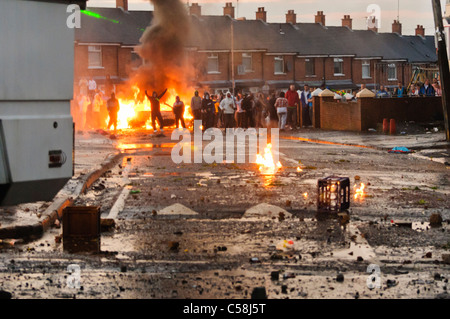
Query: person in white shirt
x=228, y=107
x=92, y=86
x=96, y=110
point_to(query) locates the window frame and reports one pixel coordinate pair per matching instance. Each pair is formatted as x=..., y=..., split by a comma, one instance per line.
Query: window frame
x=95, y=49
x=209, y=58
x=392, y=66
x=246, y=55
x=279, y=59
x=341, y=63
x=311, y=62
x=365, y=64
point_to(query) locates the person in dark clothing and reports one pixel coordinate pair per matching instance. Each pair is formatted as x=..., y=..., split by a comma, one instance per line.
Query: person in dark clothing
x=178, y=111
x=272, y=111
x=247, y=106
x=113, y=108
x=155, y=109
x=258, y=108
x=196, y=106
x=427, y=89
x=208, y=110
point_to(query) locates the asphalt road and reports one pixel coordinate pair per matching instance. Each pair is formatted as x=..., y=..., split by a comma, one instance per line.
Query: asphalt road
x=225, y=240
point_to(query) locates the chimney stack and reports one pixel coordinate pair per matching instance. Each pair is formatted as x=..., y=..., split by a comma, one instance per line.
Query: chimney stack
x=122, y=4
x=397, y=27
x=373, y=25
x=347, y=22
x=261, y=14
x=420, y=30
x=195, y=9
x=228, y=9
x=320, y=18
x=291, y=17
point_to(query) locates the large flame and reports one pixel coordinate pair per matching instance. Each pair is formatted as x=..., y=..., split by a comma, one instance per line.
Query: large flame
x=131, y=107
x=266, y=162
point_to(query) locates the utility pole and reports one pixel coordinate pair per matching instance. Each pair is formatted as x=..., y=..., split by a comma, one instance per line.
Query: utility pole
x=232, y=57
x=444, y=70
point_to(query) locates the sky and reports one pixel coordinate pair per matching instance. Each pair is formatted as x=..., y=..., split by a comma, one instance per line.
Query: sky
x=410, y=12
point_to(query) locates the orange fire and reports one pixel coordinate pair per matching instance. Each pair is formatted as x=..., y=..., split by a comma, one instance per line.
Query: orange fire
x=359, y=192
x=266, y=162
x=131, y=106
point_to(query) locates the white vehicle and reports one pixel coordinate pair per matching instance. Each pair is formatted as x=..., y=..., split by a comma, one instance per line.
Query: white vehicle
x=36, y=87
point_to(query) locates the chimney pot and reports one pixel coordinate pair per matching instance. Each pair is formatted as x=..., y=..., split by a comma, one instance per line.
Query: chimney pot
x=420, y=31
x=320, y=18
x=291, y=17
x=228, y=9
x=122, y=4
x=261, y=14
x=397, y=27
x=195, y=9
x=347, y=22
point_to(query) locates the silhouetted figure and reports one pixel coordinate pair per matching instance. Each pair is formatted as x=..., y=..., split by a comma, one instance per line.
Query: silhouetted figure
x=156, y=111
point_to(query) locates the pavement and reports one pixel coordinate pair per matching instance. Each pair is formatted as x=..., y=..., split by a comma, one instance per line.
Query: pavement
x=221, y=230
x=96, y=153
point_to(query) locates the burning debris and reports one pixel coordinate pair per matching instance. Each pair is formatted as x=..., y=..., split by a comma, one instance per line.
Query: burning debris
x=359, y=192
x=266, y=162
x=162, y=49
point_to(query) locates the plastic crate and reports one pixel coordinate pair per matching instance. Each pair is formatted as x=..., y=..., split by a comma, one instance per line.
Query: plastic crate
x=333, y=194
x=81, y=229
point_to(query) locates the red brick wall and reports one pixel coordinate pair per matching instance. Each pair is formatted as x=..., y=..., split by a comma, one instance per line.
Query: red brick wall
x=300, y=70
x=357, y=72
x=256, y=65
x=110, y=62
x=116, y=62
x=340, y=116
x=329, y=69
x=124, y=65
x=269, y=68
x=200, y=63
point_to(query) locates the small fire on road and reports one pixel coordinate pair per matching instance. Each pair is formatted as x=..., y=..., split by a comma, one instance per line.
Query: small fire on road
x=266, y=162
x=359, y=192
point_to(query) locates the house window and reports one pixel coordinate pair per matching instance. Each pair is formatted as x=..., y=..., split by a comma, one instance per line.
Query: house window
x=247, y=62
x=213, y=64
x=279, y=65
x=392, y=72
x=366, y=69
x=94, y=56
x=310, y=67
x=338, y=66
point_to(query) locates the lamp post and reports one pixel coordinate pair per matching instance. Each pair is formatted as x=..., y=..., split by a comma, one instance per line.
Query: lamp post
x=232, y=57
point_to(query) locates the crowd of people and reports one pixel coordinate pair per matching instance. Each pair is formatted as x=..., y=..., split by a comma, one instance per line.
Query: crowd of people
x=248, y=110
x=283, y=109
x=426, y=89
x=92, y=107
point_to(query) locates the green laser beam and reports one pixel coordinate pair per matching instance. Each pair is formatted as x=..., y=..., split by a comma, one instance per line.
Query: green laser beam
x=98, y=16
